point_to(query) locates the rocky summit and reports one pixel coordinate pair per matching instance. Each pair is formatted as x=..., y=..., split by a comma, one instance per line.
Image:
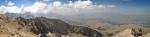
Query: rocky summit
x=42, y=27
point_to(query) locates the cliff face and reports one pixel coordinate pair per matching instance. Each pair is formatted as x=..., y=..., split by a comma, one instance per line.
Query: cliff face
x=43, y=26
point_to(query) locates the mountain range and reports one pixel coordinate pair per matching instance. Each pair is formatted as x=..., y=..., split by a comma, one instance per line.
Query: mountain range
x=55, y=25
x=43, y=26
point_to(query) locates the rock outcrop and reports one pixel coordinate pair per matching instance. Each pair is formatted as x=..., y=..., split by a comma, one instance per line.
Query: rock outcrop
x=125, y=33
x=131, y=33
x=146, y=35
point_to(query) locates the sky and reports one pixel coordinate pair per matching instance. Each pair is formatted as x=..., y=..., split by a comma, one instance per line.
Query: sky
x=73, y=6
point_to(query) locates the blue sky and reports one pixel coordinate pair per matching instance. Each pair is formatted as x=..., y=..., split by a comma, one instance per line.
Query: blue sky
x=119, y=3
x=125, y=4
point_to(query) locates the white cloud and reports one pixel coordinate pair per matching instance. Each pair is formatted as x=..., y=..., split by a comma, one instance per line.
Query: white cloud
x=56, y=7
x=110, y=5
x=101, y=6
x=13, y=9
x=10, y=3
x=82, y=4
x=36, y=7
x=56, y=3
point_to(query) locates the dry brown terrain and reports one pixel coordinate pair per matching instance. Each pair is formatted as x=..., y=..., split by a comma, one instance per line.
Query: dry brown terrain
x=39, y=27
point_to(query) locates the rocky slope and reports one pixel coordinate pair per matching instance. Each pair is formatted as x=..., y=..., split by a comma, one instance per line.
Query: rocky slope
x=43, y=27
x=131, y=33
x=125, y=33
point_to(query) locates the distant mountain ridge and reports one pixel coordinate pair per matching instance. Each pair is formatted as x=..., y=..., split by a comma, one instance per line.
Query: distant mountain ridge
x=29, y=15
x=24, y=15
